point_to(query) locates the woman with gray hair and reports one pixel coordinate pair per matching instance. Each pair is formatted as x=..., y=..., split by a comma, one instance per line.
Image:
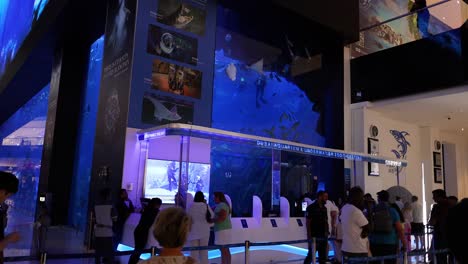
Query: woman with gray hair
x=171, y=229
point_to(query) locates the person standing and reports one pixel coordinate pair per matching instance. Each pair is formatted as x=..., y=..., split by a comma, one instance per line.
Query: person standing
x=142, y=229
x=171, y=229
x=354, y=226
x=386, y=229
x=408, y=217
x=399, y=202
x=317, y=227
x=8, y=186
x=417, y=225
x=222, y=225
x=201, y=215
x=124, y=208
x=438, y=220
x=105, y=217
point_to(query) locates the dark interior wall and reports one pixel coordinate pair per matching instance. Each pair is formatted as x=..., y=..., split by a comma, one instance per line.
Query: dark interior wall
x=75, y=34
x=341, y=16
x=429, y=64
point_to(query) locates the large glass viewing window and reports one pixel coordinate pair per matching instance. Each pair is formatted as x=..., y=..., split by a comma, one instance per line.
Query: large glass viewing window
x=178, y=159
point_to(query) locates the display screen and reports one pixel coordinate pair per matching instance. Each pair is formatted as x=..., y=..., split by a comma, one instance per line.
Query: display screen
x=16, y=20
x=162, y=178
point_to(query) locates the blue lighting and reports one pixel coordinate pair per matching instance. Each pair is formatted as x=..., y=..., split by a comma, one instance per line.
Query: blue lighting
x=16, y=21
x=214, y=254
x=262, y=142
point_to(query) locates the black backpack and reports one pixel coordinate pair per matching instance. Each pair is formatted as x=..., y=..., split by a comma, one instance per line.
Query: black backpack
x=381, y=221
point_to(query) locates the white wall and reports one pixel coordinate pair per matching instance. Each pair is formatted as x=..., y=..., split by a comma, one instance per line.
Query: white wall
x=419, y=155
x=458, y=186
x=410, y=177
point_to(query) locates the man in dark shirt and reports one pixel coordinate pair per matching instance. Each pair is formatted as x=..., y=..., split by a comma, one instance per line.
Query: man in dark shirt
x=438, y=220
x=317, y=226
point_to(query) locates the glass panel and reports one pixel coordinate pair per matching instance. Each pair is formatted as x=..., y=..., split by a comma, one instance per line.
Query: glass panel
x=85, y=142
x=405, y=24
x=22, y=137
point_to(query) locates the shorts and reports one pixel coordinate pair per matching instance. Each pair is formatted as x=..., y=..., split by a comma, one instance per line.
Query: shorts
x=223, y=237
x=417, y=228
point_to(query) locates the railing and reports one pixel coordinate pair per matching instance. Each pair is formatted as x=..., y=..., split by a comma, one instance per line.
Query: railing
x=44, y=256
x=379, y=32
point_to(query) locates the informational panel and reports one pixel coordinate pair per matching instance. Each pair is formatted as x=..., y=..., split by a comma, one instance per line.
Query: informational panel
x=173, y=65
x=112, y=113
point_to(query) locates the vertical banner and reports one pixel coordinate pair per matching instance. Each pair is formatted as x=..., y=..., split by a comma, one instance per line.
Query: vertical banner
x=112, y=114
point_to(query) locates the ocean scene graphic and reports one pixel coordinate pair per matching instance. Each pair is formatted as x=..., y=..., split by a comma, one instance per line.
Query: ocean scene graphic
x=249, y=100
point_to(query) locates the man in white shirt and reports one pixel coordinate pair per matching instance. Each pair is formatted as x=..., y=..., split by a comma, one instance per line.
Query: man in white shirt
x=399, y=202
x=417, y=225
x=355, y=226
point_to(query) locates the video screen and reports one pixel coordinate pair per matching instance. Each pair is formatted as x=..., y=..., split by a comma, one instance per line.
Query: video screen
x=162, y=179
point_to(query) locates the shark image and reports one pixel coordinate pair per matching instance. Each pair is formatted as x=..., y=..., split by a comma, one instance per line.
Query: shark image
x=161, y=112
x=402, y=147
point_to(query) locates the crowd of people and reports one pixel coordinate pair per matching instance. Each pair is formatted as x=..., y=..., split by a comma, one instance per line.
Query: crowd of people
x=173, y=228
x=361, y=227
x=368, y=228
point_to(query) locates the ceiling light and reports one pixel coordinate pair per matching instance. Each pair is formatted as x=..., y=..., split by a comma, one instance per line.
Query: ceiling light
x=458, y=2
x=463, y=129
x=443, y=18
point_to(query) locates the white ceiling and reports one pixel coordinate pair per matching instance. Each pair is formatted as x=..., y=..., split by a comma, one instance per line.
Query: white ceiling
x=446, y=110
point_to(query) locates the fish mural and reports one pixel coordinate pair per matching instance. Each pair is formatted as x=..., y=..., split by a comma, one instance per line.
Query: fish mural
x=163, y=113
x=403, y=143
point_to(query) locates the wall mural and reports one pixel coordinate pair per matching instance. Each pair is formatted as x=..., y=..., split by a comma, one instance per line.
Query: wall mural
x=406, y=29
x=402, y=146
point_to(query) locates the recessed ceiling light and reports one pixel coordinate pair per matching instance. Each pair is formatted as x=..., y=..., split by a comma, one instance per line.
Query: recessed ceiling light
x=458, y=2
x=463, y=129
x=443, y=18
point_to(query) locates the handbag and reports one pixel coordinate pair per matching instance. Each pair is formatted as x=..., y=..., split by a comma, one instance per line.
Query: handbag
x=208, y=216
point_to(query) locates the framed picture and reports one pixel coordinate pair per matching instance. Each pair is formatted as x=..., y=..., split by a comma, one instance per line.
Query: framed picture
x=438, y=175
x=373, y=149
x=437, y=157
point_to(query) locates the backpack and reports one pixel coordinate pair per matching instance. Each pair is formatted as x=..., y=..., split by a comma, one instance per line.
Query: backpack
x=381, y=220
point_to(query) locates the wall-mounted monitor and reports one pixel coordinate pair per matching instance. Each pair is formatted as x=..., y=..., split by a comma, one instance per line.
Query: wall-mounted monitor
x=162, y=178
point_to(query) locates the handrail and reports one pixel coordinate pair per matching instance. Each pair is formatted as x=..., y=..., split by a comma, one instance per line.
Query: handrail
x=403, y=15
x=44, y=256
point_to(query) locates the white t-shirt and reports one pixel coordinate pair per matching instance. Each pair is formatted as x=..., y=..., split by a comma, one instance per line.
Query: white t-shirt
x=417, y=213
x=400, y=204
x=200, y=227
x=352, y=221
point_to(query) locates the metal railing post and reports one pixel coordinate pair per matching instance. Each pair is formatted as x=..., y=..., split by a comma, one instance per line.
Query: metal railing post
x=247, y=252
x=314, y=249
x=434, y=255
x=405, y=257
x=153, y=251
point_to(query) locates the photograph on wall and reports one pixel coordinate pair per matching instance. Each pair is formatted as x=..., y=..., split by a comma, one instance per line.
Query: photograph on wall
x=437, y=159
x=171, y=45
x=162, y=110
x=438, y=175
x=182, y=16
x=373, y=149
x=173, y=78
x=162, y=178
